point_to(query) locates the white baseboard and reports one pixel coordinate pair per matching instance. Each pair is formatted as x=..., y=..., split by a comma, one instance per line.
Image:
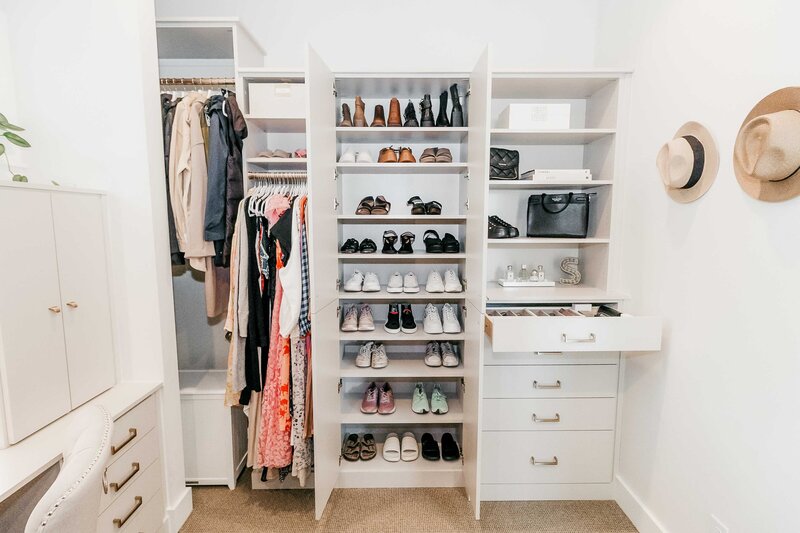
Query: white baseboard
x=644, y=520
x=177, y=514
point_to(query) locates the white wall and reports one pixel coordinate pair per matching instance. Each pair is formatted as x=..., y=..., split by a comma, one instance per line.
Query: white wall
x=710, y=424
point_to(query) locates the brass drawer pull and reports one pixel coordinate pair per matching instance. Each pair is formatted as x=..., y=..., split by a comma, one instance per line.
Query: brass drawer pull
x=134, y=470
x=557, y=418
x=554, y=462
x=72, y=305
x=566, y=339
x=54, y=309
x=556, y=385
x=131, y=436
x=119, y=522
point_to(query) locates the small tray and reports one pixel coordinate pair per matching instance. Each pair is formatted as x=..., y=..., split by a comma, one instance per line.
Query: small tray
x=507, y=283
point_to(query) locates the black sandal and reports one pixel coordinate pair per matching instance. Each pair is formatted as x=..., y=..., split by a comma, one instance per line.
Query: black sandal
x=350, y=246
x=389, y=240
x=450, y=451
x=450, y=244
x=433, y=244
x=368, y=246
x=365, y=206
x=430, y=448
x=433, y=208
x=417, y=207
x=381, y=206
x=406, y=240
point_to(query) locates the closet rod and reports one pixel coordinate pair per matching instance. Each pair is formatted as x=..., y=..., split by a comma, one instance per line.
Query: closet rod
x=175, y=82
x=277, y=175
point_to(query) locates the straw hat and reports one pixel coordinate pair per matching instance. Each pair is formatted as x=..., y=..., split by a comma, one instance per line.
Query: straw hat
x=766, y=156
x=688, y=163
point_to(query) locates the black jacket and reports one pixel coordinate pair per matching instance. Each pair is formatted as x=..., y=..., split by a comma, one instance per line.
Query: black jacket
x=218, y=150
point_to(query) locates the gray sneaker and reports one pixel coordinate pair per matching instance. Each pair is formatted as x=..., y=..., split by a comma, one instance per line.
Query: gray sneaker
x=379, y=357
x=449, y=357
x=364, y=355
x=433, y=356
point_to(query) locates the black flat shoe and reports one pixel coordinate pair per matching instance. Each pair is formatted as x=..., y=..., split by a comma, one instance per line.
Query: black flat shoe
x=497, y=231
x=450, y=451
x=350, y=246
x=389, y=240
x=433, y=244
x=450, y=244
x=368, y=246
x=417, y=207
x=512, y=230
x=406, y=240
x=430, y=448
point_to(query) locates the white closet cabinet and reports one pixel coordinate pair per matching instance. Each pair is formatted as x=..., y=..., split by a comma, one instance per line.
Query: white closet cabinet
x=55, y=332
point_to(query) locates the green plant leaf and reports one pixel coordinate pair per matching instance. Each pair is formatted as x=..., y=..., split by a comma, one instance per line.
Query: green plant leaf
x=54, y=182
x=16, y=139
x=10, y=127
x=2, y=148
x=3, y=118
x=20, y=178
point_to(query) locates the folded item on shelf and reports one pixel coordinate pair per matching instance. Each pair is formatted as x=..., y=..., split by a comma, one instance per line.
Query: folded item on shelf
x=555, y=175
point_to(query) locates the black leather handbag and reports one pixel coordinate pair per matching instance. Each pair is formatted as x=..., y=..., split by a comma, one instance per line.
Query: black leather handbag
x=559, y=215
x=503, y=164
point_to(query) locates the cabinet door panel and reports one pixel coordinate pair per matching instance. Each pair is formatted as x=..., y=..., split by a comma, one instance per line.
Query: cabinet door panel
x=33, y=366
x=82, y=268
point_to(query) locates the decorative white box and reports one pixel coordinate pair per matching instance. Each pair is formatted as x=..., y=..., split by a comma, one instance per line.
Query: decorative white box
x=277, y=100
x=535, y=117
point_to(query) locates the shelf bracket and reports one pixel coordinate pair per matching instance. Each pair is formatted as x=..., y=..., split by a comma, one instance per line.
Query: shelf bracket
x=463, y=389
x=466, y=175
x=466, y=204
x=338, y=284
x=338, y=310
x=335, y=174
x=464, y=312
x=340, y=460
x=339, y=387
x=335, y=204
x=335, y=93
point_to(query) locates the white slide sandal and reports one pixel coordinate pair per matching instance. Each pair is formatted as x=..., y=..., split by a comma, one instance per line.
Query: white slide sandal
x=391, y=448
x=410, y=449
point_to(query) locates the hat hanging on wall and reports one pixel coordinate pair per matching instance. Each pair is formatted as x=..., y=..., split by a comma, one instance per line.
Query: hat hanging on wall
x=688, y=163
x=766, y=156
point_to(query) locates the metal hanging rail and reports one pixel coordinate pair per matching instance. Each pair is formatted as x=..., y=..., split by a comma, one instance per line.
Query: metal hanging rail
x=197, y=82
x=277, y=175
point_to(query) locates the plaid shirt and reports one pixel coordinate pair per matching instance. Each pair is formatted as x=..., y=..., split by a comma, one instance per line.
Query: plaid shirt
x=305, y=303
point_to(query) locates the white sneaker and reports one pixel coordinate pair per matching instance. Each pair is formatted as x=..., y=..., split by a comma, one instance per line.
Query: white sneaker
x=363, y=359
x=434, y=283
x=433, y=356
x=379, y=357
x=355, y=282
x=432, y=323
x=449, y=357
x=363, y=157
x=365, y=321
x=371, y=283
x=395, y=283
x=451, y=282
x=349, y=156
x=449, y=319
x=350, y=322
x=410, y=283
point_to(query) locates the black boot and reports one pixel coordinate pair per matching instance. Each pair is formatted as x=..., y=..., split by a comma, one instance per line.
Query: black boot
x=457, y=115
x=441, y=120
x=426, y=112
x=410, y=116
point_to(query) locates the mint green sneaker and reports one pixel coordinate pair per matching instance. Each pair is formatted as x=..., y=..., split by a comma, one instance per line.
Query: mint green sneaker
x=419, y=401
x=438, y=401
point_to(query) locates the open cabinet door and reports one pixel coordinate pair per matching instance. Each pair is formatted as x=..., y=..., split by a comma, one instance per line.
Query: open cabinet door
x=474, y=269
x=321, y=137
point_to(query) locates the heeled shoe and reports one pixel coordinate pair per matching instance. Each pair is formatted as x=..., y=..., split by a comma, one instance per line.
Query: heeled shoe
x=394, y=114
x=347, y=121
x=441, y=120
x=389, y=240
x=359, y=117
x=410, y=116
x=457, y=114
x=378, y=119
x=426, y=112
x=406, y=240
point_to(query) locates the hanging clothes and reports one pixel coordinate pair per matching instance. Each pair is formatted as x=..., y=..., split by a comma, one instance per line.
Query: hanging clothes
x=218, y=138
x=168, y=106
x=234, y=192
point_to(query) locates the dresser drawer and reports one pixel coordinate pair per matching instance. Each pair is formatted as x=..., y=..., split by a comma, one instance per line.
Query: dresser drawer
x=149, y=518
x=554, y=381
x=492, y=358
x=131, y=465
x=132, y=426
x=549, y=414
x=131, y=501
x=547, y=456
x=521, y=330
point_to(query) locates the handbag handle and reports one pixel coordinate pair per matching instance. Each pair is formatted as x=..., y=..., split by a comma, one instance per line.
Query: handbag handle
x=544, y=205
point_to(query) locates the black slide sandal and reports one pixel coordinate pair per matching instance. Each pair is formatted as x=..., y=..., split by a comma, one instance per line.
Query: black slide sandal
x=450, y=451
x=368, y=246
x=433, y=244
x=430, y=448
x=450, y=244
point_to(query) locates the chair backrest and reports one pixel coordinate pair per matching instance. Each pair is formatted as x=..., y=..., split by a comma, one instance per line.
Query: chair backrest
x=72, y=502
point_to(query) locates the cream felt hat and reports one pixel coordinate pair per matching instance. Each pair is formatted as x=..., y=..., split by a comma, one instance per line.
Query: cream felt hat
x=766, y=156
x=688, y=163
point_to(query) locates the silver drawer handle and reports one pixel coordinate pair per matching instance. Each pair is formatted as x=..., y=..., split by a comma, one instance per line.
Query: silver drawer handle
x=548, y=353
x=556, y=385
x=134, y=470
x=557, y=418
x=554, y=462
x=573, y=340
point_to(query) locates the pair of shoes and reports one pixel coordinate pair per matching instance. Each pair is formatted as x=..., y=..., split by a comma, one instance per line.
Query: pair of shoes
x=359, y=282
x=390, y=239
x=378, y=400
x=456, y=115
x=449, y=451
x=351, y=156
x=420, y=404
x=435, y=283
x=394, y=450
x=436, y=155
x=359, y=119
x=500, y=229
x=435, y=245
x=441, y=354
x=400, y=318
x=355, y=320
x=373, y=206
x=372, y=355
x=355, y=447
x=398, y=283
x=391, y=154
x=433, y=324
x=418, y=207
x=351, y=246
x=282, y=154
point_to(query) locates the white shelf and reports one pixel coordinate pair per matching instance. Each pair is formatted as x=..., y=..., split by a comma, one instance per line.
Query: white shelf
x=402, y=219
x=277, y=125
x=549, y=137
x=384, y=296
x=379, y=464
x=402, y=168
x=402, y=85
x=278, y=161
x=528, y=241
x=495, y=294
x=410, y=366
x=390, y=135
x=521, y=85
x=528, y=184
x=380, y=334
x=416, y=257
x=351, y=413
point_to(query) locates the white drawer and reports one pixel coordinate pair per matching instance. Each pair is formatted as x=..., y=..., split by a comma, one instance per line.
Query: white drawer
x=550, y=414
x=492, y=358
x=130, y=466
x=554, y=381
x=521, y=330
x=131, y=501
x=132, y=426
x=560, y=456
x=149, y=518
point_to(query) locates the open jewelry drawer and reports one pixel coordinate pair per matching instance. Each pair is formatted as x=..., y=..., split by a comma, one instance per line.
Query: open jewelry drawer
x=560, y=329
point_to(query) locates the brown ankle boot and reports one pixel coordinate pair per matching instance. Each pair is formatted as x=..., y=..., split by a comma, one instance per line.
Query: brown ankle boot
x=378, y=119
x=347, y=121
x=359, y=118
x=394, y=114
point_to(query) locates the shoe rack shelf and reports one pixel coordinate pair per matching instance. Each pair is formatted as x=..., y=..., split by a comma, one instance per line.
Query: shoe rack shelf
x=402, y=219
x=394, y=135
x=277, y=125
x=378, y=473
x=278, y=162
x=384, y=296
x=401, y=366
x=401, y=168
x=550, y=137
x=495, y=294
x=528, y=241
x=382, y=335
x=416, y=257
x=403, y=415
x=530, y=184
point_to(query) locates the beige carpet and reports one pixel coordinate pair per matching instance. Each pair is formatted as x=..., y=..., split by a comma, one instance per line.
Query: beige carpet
x=218, y=510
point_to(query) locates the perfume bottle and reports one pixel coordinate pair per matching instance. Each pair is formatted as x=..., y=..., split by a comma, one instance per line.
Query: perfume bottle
x=509, y=273
x=523, y=273
x=540, y=273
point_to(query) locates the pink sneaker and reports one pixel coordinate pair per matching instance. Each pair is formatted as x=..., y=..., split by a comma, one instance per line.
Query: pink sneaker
x=369, y=405
x=386, y=400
